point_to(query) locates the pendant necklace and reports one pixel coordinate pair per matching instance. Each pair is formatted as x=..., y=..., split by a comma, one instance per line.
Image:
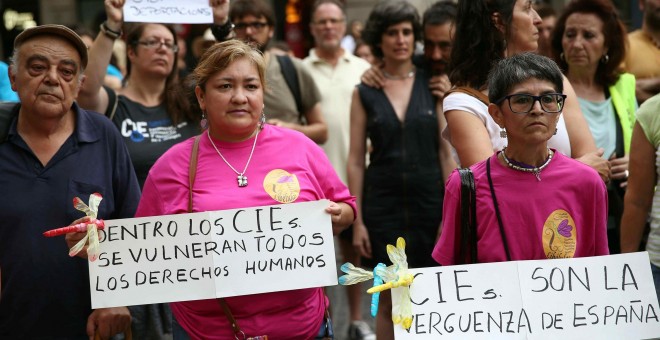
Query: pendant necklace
x=526, y=167
x=397, y=77
x=241, y=178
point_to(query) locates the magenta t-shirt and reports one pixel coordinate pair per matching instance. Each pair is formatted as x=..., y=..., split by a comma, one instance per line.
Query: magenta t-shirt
x=286, y=167
x=562, y=216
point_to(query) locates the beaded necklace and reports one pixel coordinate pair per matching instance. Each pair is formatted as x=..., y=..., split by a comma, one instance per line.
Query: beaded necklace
x=515, y=165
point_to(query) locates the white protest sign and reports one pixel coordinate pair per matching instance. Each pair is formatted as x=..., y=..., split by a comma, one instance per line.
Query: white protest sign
x=605, y=297
x=168, y=11
x=213, y=254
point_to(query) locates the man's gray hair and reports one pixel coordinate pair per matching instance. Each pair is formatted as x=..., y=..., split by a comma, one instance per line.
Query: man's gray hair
x=511, y=71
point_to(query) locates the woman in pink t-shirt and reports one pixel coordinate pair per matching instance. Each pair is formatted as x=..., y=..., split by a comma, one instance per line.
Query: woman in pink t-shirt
x=531, y=201
x=282, y=165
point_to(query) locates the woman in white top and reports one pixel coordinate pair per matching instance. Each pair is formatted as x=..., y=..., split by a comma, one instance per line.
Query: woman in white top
x=486, y=31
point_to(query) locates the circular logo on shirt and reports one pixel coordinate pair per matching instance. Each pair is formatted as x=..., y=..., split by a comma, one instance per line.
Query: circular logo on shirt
x=559, y=235
x=282, y=186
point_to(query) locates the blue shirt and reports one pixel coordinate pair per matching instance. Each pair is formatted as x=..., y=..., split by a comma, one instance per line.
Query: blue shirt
x=44, y=291
x=114, y=71
x=6, y=93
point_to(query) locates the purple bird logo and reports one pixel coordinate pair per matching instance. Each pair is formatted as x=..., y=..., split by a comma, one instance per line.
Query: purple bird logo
x=564, y=228
x=285, y=179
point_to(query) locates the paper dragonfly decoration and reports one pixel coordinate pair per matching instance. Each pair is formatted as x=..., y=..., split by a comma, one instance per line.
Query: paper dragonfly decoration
x=396, y=275
x=90, y=227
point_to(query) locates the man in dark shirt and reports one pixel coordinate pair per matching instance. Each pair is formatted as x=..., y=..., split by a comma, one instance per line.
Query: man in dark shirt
x=54, y=152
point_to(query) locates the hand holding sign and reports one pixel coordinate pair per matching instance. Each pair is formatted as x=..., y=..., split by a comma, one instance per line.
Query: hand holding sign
x=213, y=254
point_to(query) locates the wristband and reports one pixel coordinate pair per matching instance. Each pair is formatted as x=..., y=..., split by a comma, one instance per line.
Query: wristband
x=108, y=32
x=220, y=32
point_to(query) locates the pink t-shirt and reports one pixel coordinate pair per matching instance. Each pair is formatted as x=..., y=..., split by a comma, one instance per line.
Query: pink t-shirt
x=286, y=167
x=562, y=216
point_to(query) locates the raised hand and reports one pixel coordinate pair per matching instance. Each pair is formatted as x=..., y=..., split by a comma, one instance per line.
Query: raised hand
x=220, y=11
x=114, y=10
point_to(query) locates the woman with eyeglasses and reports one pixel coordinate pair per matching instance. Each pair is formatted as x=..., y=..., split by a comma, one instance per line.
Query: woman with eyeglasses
x=487, y=31
x=151, y=111
x=532, y=202
x=589, y=44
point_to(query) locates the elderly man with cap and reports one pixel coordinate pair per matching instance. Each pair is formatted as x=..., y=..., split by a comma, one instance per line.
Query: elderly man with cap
x=55, y=151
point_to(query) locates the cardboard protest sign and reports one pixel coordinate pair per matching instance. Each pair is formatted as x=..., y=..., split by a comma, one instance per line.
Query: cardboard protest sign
x=605, y=297
x=213, y=254
x=168, y=11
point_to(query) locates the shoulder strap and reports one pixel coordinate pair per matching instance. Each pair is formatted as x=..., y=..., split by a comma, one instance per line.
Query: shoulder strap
x=234, y=324
x=113, y=100
x=192, y=171
x=470, y=91
x=468, y=248
x=7, y=113
x=505, y=244
x=291, y=78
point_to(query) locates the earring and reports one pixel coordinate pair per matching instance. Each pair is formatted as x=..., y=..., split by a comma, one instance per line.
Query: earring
x=503, y=133
x=262, y=120
x=561, y=56
x=605, y=58
x=204, y=123
x=555, y=131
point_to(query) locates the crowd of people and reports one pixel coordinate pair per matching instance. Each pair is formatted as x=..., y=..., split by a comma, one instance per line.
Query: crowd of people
x=390, y=120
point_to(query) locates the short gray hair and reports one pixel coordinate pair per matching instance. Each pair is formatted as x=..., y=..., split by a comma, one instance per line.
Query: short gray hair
x=13, y=60
x=508, y=72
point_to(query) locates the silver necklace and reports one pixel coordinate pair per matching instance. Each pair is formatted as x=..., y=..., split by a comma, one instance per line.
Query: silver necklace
x=393, y=77
x=241, y=178
x=527, y=168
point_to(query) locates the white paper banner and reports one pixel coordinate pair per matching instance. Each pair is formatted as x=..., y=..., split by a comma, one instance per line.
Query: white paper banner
x=213, y=254
x=168, y=11
x=605, y=297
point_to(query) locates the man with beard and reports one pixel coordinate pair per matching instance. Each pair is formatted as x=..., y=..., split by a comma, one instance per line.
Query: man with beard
x=643, y=58
x=438, y=22
x=254, y=23
x=336, y=72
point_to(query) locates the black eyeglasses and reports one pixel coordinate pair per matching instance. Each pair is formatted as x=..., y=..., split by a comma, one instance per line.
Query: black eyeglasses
x=523, y=103
x=257, y=25
x=153, y=44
